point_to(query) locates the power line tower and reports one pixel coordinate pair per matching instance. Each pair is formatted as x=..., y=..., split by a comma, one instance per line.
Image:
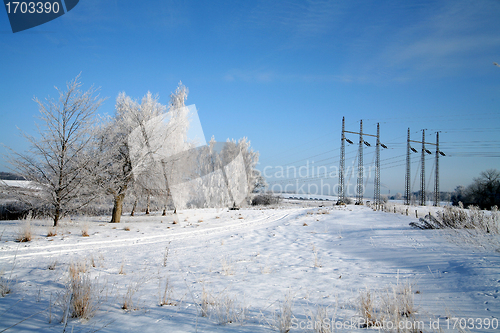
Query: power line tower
x=361, y=171
x=341, y=198
x=359, y=183
x=422, y=171
x=408, y=174
x=436, y=181
x=376, y=185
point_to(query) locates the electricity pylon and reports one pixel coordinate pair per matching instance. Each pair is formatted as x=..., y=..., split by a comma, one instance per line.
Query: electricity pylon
x=422, y=170
x=359, y=183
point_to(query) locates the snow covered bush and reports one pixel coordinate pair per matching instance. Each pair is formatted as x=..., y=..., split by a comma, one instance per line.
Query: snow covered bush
x=471, y=219
x=265, y=199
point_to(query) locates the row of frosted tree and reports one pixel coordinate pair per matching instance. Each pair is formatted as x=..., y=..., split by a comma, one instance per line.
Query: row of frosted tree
x=78, y=157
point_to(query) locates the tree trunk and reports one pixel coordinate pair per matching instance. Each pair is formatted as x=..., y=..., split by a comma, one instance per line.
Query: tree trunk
x=57, y=216
x=133, y=208
x=117, y=208
x=165, y=207
x=148, y=204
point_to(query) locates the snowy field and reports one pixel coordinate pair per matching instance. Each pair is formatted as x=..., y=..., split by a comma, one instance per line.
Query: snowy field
x=237, y=271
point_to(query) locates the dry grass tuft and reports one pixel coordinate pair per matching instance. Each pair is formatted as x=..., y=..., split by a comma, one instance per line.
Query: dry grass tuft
x=394, y=305
x=52, y=266
x=128, y=299
x=81, y=297
x=52, y=232
x=85, y=230
x=165, y=255
x=166, y=296
x=322, y=320
x=367, y=308
x=317, y=262
x=122, y=269
x=282, y=317
x=126, y=228
x=5, y=285
x=222, y=307
x=25, y=233
x=227, y=266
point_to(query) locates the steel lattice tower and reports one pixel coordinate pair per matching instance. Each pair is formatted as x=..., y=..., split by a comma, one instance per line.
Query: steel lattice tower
x=422, y=173
x=359, y=184
x=436, y=181
x=341, y=198
x=376, y=194
x=408, y=174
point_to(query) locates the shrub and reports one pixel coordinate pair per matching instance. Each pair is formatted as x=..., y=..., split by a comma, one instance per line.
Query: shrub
x=346, y=201
x=265, y=199
x=459, y=218
x=16, y=210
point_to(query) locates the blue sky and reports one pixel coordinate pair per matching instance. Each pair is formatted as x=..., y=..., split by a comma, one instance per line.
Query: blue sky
x=282, y=73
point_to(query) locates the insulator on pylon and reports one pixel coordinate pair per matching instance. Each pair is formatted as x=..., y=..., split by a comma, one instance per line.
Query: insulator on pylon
x=367, y=144
x=349, y=141
x=428, y=151
x=413, y=149
x=442, y=154
x=383, y=146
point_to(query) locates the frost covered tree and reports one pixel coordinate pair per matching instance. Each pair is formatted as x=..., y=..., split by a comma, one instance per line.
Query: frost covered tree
x=172, y=160
x=250, y=159
x=58, y=163
x=136, y=142
x=227, y=172
x=116, y=154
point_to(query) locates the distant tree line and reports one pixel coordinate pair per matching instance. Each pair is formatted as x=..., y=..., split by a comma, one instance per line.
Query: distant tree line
x=9, y=176
x=484, y=191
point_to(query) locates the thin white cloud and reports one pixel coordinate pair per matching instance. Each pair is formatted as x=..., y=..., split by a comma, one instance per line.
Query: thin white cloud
x=445, y=42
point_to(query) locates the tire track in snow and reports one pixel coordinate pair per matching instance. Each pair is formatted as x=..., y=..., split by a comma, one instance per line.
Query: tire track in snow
x=143, y=240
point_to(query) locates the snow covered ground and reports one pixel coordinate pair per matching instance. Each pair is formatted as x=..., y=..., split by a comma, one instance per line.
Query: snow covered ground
x=244, y=265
